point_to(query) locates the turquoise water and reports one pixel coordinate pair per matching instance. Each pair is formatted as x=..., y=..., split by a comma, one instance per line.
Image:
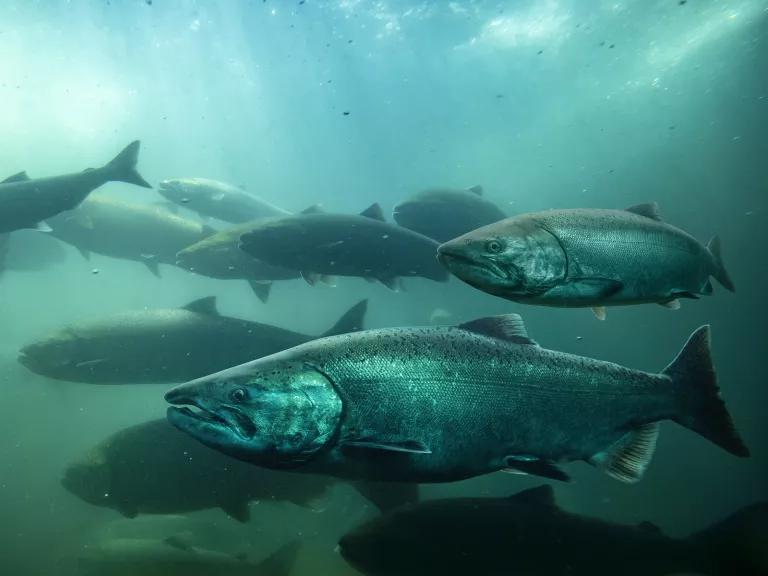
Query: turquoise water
x=550, y=104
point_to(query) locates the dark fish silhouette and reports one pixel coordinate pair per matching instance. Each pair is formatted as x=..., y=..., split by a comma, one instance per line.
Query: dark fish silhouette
x=528, y=534
x=152, y=468
x=363, y=245
x=443, y=213
x=24, y=202
x=162, y=345
x=175, y=557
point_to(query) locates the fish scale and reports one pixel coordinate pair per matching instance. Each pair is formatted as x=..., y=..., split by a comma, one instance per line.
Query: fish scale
x=447, y=403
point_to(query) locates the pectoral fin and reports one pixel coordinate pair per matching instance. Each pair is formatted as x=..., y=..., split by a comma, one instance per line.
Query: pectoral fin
x=599, y=312
x=671, y=304
x=597, y=287
x=523, y=464
x=152, y=266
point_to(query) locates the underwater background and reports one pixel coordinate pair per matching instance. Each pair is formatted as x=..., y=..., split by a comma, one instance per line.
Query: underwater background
x=546, y=104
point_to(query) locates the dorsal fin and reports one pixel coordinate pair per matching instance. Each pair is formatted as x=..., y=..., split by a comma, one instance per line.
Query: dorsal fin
x=314, y=209
x=649, y=210
x=476, y=189
x=205, y=305
x=543, y=494
x=649, y=527
x=18, y=177
x=373, y=211
x=509, y=327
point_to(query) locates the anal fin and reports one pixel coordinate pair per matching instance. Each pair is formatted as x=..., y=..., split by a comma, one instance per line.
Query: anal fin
x=671, y=304
x=599, y=312
x=261, y=289
x=627, y=459
x=536, y=467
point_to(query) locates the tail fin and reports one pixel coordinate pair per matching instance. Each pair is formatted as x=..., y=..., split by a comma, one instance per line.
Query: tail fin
x=718, y=268
x=701, y=408
x=352, y=321
x=738, y=544
x=123, y=166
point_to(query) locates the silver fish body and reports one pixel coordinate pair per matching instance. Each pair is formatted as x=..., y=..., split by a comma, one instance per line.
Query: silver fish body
x=586, y=257
x=446, y=403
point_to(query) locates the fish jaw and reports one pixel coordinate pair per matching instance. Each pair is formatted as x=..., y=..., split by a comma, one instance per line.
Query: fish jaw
x=477, y=271
x=209, y=421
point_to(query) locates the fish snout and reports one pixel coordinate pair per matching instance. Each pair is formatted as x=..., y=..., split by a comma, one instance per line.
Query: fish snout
x=180, y=395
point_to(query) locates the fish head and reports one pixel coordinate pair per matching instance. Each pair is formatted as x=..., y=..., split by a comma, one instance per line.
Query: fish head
x=193, y=257
x=90, y=480
x=274, y=413
x=276, y=239
x=515, y=257
x=410, y=213
x=175, y=189
x=58, y=355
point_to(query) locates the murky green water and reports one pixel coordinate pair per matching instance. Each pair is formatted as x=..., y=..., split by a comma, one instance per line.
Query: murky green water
x=552, y=104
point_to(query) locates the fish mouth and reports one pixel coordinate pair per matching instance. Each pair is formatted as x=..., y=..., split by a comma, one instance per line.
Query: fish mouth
x=458, y=263
x=192, y=416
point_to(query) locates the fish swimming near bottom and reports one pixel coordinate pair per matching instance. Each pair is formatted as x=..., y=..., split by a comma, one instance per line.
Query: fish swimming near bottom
x=441, y=404
x=162, y=345
x=174, y=557
x=152, y=468
x=527, y=534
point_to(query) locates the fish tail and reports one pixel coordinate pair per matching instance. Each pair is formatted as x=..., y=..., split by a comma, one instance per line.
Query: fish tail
x=701, y=408
x=718, y=268
x=123, y=166
x=351, y=321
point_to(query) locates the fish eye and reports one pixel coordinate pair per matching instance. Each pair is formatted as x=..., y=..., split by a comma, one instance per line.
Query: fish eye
x=493, y=246
x=238, y=395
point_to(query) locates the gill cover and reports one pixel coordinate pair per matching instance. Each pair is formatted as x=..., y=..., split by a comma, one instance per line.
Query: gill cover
x=277, y=414
x=513, y=257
